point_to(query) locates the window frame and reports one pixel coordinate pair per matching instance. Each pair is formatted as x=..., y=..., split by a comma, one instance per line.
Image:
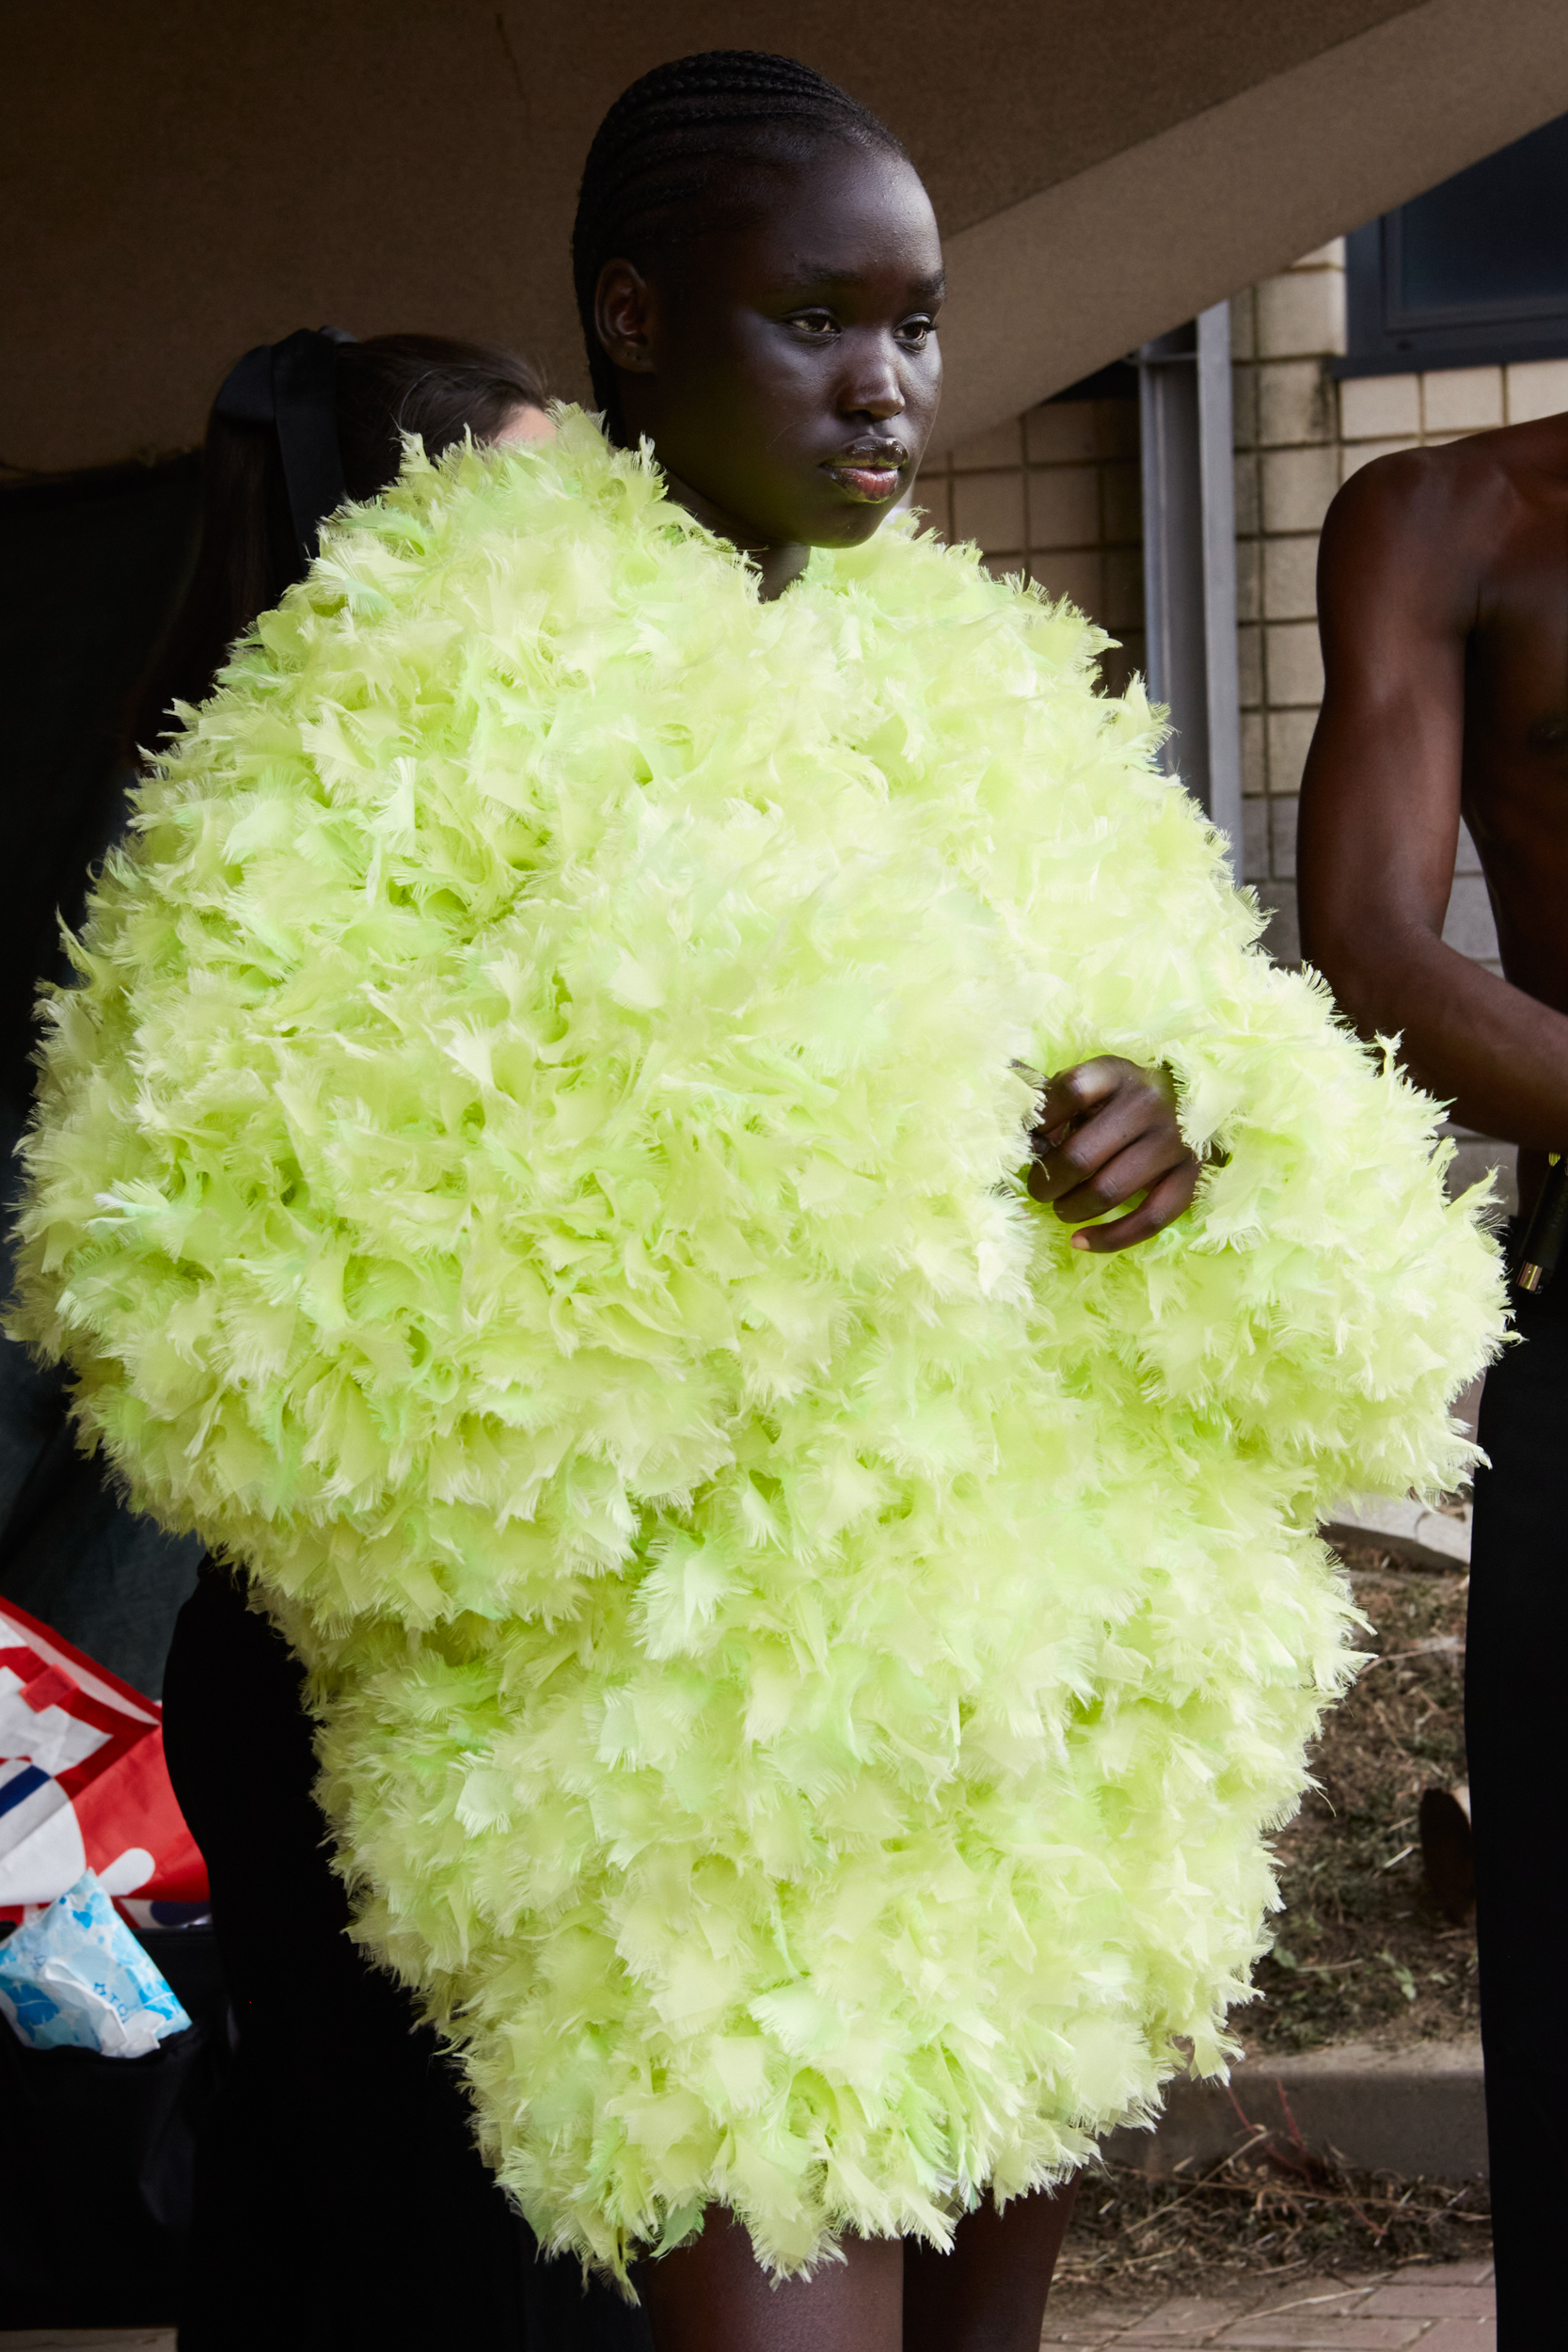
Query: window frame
x=1386, y=336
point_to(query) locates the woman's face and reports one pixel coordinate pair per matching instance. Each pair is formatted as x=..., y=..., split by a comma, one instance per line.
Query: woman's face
x=787, y=370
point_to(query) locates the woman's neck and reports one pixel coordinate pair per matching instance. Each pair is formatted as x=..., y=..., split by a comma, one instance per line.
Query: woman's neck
x=775, y=566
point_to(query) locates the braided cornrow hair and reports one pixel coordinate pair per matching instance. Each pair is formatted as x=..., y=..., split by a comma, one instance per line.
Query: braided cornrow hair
x=657, y=161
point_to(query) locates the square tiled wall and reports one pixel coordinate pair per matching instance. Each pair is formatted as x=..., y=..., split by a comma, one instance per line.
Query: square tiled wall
x=1054, y=495
x=1299, y=435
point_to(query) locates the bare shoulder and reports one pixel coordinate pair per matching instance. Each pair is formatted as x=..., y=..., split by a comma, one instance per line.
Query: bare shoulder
x=1458, y=501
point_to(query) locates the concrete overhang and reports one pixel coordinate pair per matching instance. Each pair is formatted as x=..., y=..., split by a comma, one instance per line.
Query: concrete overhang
x=188, y=177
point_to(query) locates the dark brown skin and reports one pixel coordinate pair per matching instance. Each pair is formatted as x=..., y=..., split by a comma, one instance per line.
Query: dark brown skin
x=1108, y=1133
x=788, y=371
x=1443, y=604
x=888, y=2295
x=763, y=362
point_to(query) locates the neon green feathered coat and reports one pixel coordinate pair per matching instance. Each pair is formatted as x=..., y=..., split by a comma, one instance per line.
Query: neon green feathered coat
x=532, y=1169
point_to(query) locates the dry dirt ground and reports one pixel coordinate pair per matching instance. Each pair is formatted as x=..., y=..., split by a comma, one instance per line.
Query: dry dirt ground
x=1363, y=1954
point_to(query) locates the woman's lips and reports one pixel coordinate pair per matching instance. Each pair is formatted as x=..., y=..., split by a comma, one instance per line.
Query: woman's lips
x=871, y=482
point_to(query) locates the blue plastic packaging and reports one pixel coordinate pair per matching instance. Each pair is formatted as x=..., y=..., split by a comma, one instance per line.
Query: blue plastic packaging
x=76, y=1978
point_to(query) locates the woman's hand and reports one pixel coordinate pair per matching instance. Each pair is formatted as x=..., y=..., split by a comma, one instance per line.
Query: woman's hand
x=1108, y=1131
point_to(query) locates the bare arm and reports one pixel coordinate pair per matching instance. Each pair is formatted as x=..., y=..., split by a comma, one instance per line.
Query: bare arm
x=1397, y=584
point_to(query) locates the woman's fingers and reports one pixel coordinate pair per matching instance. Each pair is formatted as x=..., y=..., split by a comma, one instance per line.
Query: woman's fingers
x=1119, y=1179
x=1107, y=1132
x=1161, y=1206
x=1065, y=1098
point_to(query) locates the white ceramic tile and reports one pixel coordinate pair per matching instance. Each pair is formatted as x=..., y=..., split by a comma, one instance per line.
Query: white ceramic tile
x=1536, y=388
x=1075, y=574
x=1064, y=507
x=1295, y=403
x=1254, y=771
x=1354, y=455
x=1380, y=408
x=1302, y=315
x=1283, y=936
x=1290, y=578
x=1002, y=446
x=1462, y=400
x=1060, y=430
x=988, y=507
x=1298, y=484
x=1289, y=738
x=1255, y=840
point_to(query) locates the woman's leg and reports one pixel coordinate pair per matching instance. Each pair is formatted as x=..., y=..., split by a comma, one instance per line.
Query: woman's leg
x=988, y=2294
x=712, y=2295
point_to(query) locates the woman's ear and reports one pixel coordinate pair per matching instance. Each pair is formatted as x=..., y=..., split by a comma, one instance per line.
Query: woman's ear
x=623, y=309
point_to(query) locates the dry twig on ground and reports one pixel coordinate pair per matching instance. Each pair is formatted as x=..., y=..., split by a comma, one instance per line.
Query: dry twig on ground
x=1264, y=2211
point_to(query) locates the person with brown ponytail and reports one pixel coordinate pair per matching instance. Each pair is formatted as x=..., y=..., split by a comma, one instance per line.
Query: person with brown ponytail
x=338, y=2199
x=296, y=428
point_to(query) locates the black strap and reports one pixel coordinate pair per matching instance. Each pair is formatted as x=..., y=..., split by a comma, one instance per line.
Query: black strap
x=292, y=386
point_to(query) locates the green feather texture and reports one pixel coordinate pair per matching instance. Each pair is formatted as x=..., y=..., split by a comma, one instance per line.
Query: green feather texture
x=806, y=1661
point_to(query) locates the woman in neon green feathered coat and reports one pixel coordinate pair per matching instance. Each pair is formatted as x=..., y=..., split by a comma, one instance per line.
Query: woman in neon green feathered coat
x=806, y=1656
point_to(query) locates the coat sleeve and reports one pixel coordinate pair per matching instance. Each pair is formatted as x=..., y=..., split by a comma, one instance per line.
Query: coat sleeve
x=1323, y=1301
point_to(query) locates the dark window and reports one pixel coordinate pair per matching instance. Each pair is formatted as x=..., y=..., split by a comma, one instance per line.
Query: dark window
x=1474, y=271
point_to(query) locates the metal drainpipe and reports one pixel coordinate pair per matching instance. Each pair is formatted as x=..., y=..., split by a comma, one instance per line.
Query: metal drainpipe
x=1188, y=515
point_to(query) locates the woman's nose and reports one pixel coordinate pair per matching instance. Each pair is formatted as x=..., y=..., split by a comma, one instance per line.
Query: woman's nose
x=874, y=387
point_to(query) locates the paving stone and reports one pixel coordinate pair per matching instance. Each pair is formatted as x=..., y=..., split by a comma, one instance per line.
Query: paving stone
x=1430, y=2298
x=1447, y=2308
x=1477, y=2273
x=1077, y=2331
x=1325, y=2300
x=1078, y=2342
x=1185, y=2319
x=1308, y=2331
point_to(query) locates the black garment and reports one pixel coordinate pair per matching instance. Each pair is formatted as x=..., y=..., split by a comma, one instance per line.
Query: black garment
x=1516, y=1657
x=96, y=2157
x=340, y=2202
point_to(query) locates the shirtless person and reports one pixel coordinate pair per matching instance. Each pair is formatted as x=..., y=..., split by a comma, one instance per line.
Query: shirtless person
x=1443, y=603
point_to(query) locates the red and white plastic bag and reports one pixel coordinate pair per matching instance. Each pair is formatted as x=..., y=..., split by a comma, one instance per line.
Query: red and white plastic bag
x=83, y=1782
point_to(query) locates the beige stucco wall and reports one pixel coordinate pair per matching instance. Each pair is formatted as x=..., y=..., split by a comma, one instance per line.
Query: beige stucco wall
x=179, y=179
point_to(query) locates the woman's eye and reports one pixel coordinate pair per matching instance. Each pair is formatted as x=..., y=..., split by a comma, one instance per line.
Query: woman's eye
x=917, y=332
x=816, y=325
